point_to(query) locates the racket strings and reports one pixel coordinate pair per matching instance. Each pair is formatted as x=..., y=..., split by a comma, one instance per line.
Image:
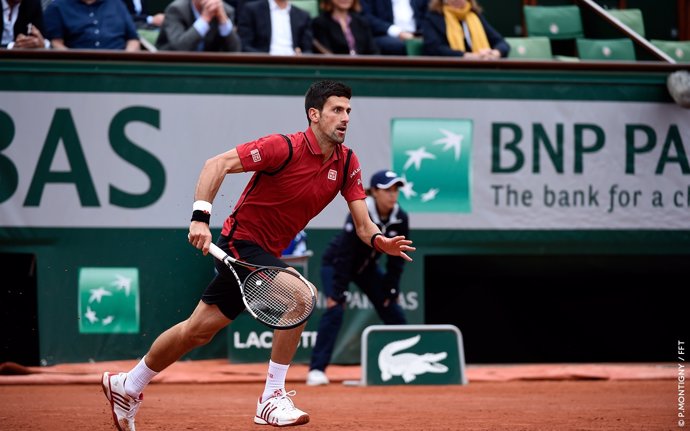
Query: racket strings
x=278, y=297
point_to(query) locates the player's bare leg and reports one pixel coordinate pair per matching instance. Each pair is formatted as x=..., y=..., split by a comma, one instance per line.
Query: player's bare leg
x=124, y=390
x=275, y=406
x=204, y=323
x=285, y=344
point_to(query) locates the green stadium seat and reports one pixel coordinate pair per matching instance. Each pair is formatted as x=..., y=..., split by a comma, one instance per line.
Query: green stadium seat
x=554, y=22
x=678, y=50
x=148, y=39
x=529, y=48
x=311, y=6
x=630, y=17
x=605, y=49
x=414, y=46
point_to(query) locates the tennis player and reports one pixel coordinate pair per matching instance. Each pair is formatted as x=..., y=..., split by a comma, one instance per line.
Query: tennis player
x=295, y=177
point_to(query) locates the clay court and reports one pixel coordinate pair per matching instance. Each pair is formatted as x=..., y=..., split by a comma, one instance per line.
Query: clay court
x=215, y=395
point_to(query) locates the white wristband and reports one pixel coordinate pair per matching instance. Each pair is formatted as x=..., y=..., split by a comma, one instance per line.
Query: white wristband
x=202, y=206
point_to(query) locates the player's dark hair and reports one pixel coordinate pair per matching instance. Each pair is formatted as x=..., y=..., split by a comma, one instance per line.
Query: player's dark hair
x=320, y=91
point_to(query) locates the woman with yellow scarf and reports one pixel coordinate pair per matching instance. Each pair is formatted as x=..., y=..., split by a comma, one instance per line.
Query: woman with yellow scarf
x=457, y=28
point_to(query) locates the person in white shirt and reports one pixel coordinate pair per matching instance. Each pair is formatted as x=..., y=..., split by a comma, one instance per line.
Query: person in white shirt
x=275, y=27
x=393, y=22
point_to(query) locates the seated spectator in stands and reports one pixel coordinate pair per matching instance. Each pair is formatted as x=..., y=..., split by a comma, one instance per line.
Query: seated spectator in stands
x=141, y=16
x=457, y=28
x=393, y=22
x=199, y=25
x=340, y=29
x=275, y=27
x=22, y=23
x=90, y=24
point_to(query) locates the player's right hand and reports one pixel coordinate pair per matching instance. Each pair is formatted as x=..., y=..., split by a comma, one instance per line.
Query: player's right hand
x=200, y=236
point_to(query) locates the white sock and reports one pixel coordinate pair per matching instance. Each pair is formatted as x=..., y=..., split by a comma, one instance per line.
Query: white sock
x=138, y=378
x=275, y=379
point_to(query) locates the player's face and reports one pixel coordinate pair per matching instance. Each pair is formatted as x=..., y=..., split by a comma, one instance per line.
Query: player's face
x=334, y=117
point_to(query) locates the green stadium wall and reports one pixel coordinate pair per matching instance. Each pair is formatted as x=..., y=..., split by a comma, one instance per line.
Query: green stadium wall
x=99, y=159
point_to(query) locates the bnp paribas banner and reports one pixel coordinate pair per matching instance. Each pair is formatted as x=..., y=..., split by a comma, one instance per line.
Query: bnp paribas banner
x=443, y=185
x=132, y=160
x=109, y=300
x=577, y=167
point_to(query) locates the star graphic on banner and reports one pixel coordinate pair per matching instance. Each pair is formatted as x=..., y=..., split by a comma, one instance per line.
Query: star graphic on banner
x=123, y=283
x=98, y=294
x=451, y=141
x=407, y=189
x=430, y=195
x=90, y=315
x=416, y=157
x=108, y=320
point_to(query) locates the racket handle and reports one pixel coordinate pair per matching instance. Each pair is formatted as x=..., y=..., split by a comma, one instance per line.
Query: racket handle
x=217, y=252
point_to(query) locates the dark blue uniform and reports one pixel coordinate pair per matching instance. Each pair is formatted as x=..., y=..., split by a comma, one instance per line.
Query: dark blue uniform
x=347, y=259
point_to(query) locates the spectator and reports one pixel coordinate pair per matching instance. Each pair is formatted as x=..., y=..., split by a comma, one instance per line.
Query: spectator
x=140, y=14
x=22, y=23
x=393, y=22
x=346, y=260
x=457, y=28
x=199, y=25
x=90, y=24
x=340, y=29
x=275, y=27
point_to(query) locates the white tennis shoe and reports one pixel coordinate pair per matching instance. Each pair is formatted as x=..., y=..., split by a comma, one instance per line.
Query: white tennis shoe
x=279, y=411
x=123, y=406
x=317, y=378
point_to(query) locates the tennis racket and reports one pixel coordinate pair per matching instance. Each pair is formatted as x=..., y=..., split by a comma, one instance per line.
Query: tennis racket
x=279, y=298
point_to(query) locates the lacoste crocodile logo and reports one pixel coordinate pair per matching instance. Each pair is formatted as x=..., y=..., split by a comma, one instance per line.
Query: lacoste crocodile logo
x=409, y=365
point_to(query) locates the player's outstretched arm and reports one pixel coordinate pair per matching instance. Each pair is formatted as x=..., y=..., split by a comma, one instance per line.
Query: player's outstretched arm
x=369, y=233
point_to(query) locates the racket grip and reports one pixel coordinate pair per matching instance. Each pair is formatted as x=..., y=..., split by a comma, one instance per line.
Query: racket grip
x=217, y=252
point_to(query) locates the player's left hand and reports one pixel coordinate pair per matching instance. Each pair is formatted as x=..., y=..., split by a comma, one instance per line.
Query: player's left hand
x=396, y=246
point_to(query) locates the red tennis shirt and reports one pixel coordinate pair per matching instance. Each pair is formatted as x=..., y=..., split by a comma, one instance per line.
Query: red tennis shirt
x=281, y=198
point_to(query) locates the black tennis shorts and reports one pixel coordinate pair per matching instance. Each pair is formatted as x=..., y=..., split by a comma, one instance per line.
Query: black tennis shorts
x=223, y=290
